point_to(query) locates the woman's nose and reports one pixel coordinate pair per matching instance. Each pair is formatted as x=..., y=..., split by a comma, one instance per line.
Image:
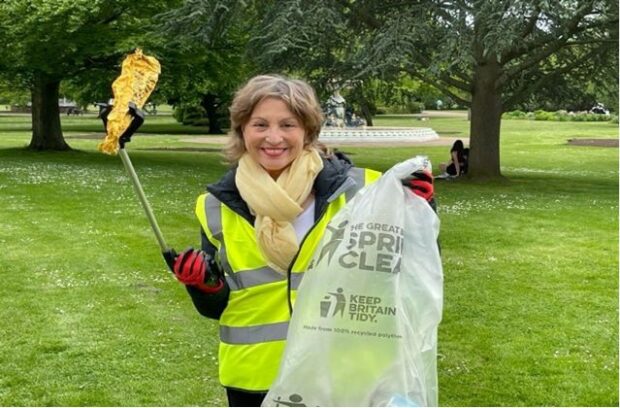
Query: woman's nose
x=274, y=135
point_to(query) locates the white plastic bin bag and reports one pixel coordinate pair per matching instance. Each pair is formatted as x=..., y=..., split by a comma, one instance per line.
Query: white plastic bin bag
x=364, y=325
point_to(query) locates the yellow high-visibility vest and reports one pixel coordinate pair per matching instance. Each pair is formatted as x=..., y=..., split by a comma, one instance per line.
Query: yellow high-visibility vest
x=254, y=324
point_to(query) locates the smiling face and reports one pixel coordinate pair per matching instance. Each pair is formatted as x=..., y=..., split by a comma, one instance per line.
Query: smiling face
x=273, y=136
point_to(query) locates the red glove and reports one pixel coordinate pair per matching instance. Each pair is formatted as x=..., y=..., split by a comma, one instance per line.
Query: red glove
x=421, y=184
x=191, y=268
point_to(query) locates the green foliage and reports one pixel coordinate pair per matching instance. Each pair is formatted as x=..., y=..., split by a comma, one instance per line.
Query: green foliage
x=530, y=313
x=13, y=93
x=62, y=38
x=542, y=115
x=308, y=39
x=202, y=46
x=517, y=114
x=410, y=107
x=407, y=95
x=190, y=115
x=560, y=94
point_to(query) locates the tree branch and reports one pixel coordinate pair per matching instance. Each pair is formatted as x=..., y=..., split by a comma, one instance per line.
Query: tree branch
x=459, y=80
x=550, y=43
x=552, y=47
x=528, y=86
x=513, y=52
x=438, y=85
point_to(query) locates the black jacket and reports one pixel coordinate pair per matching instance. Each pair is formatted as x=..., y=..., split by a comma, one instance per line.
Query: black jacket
x=329, y=179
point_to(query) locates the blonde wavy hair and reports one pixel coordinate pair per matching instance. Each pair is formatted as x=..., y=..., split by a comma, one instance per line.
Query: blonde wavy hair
x=297, y=94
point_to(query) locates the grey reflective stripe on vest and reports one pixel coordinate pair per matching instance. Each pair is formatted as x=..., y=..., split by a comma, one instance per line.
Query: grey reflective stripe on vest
x=359, y=176
x=253, y=334
x=214, y=216
x=241, y=279
x=224, y=259
x=247, y=279
x=213, y=209
x=349, y=185
x=296, y=280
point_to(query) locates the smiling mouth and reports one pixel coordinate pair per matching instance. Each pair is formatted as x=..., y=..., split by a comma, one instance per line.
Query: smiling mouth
x=273, y=151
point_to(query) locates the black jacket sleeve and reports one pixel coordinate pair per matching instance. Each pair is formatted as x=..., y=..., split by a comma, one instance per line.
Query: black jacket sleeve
x=210, y=305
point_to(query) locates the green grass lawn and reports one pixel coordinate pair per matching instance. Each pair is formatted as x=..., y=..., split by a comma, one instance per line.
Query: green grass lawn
x=91, y=317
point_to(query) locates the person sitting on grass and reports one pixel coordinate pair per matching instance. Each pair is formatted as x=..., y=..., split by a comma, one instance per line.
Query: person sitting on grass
x=458, y=160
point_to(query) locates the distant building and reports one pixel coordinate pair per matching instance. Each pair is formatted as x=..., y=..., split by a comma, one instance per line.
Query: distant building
x=64, y=105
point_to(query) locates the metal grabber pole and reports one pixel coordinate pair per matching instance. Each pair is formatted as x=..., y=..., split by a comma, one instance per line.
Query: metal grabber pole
x=145, y=204
x=137, y=119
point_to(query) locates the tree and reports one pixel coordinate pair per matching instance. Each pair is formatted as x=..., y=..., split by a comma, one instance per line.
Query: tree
x=48, y=41
x=203, y=44
x=315, y=40
x=487, y=55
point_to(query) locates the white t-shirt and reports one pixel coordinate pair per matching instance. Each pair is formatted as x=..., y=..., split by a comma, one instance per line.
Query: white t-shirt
x=304, y=221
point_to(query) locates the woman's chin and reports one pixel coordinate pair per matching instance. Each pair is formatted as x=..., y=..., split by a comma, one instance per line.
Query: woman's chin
x=275, y=169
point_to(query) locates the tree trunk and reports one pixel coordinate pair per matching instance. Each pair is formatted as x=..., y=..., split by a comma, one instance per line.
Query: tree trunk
x=366, y=113
x=46, y=130
x=210, y=104
x=365, y=104
x=486, y=114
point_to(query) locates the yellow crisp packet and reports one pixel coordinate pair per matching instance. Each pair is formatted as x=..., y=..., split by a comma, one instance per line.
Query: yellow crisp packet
x=139, y=74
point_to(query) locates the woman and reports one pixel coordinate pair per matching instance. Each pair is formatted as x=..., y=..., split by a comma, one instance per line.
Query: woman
x=457, y=164
x=261, y=224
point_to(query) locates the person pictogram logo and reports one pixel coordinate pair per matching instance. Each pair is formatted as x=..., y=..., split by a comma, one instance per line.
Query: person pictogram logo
x=335, y=239
x=294, y=400
x=335, y=301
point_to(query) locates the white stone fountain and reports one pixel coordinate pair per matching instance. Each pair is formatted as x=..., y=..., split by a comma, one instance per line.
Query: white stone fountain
x=341, y=129
x=377, y=134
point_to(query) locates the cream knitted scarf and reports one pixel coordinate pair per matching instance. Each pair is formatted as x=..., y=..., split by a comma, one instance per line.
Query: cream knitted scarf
x=276, y=203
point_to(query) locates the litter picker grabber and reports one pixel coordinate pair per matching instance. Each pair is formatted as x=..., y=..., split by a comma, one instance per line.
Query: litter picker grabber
x=131, y=89
x=137, y=120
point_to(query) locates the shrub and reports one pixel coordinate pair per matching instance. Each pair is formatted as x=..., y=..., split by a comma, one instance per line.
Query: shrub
x=408, y=107
x=200, y=122
x=190, y=115
x=415, y=107
x=544, y=115
x=516, y=114
x=560, y=115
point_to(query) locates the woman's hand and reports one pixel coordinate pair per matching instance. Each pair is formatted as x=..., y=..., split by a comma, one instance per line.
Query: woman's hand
x=421, y=184
x=191, y=268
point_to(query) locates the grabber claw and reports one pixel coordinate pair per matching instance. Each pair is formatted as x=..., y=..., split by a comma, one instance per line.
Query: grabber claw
x=137, y=119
